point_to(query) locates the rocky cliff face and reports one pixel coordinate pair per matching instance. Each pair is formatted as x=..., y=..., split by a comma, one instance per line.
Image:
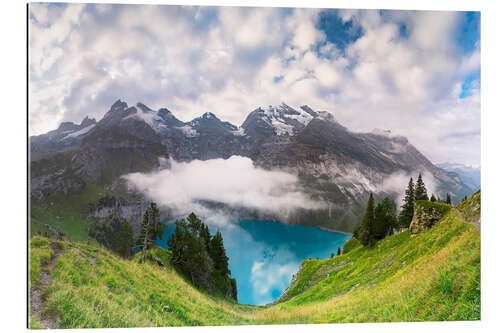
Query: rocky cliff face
x=130, y=210
x=426, y=214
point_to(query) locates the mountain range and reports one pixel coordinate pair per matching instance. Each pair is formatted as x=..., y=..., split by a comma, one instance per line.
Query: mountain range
x=470, y=175
x=333, y=164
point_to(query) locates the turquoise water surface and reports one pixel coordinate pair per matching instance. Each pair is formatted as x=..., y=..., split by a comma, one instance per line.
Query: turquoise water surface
x=264, y=255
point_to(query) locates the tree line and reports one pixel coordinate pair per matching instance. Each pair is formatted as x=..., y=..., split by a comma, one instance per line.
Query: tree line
x=114, y=233
x=197, y=254
x=201, y=257
x=382, y=220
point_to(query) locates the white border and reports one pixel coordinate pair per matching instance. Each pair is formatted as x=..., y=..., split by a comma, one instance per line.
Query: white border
x=13, y=138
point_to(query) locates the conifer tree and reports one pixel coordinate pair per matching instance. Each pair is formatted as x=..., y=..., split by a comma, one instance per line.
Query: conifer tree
x=366, y=231
x=338, y=251
x=420, y=190
x=205, y=234
x=125, y=239
x=189, y=250
x=151, y=229
x=218, y=254
x=433, y=198
x=385, y=218
x=406, y=213
x=201, y=257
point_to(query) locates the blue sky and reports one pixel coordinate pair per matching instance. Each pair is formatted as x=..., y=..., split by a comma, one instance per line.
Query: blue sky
x=416, y=73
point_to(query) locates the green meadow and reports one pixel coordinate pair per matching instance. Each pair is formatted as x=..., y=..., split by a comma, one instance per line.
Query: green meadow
x=430, y=276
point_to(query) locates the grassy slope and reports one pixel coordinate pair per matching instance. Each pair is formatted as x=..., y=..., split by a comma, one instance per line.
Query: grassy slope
x=91, y=287
x=471, y=208
x=67, y=214
x=434, y=275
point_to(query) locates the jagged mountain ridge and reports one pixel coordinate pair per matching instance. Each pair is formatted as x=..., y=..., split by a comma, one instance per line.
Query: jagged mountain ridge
x=334, y=164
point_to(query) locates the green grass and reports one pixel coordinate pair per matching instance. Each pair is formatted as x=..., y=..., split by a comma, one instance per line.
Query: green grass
x=471, y=208
x=91, y=287
x=67, y=214
x=350, y=245
x=431, y=276
x=40, y=252
x=439, y=206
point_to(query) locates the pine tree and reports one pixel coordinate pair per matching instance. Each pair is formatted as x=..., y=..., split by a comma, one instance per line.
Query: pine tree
x=218, y=254
x=189, y=250
x=385, y=218
x=151, y=229
x=433, y=198
x=154, y=215
x=145, y=237
x=338, y=251
x=194, y=223
x=201, y=257
x=366, y=230
x=125, y=239
x=205, y=234
x=448, y=199
x=406, y=213
x=420, y=190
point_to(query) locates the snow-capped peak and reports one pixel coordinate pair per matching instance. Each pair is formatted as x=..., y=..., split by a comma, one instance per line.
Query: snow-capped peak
x=209, y=115
x=285, y=119
x=147, y=115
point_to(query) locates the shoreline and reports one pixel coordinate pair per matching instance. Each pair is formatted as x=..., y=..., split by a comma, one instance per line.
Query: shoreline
x=334, y=230
x=172, y=222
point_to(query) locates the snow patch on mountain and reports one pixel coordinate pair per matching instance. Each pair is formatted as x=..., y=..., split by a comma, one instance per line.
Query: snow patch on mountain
x=281, y=127
x=150, y=117
x=279, y=117
x=239, y=132
x=79, y=132
x=381, y=132
x=325, y=115
x=303, y=118
x=188, y=131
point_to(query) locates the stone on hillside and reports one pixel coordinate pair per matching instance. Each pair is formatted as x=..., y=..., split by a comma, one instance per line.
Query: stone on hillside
x=426, y=214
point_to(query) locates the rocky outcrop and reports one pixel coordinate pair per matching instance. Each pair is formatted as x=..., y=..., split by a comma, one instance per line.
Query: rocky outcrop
x=131, y=209
x=426, y=214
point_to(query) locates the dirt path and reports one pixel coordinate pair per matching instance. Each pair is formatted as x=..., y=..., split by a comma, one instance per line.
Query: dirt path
x=477, y=223
x=37, y=299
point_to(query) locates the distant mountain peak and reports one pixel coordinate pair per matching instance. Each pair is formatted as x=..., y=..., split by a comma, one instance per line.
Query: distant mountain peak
x=119, y=105
x=307, y=109
x=144, y=107
x=209, y=115
x=67, y=126
x=87, y=122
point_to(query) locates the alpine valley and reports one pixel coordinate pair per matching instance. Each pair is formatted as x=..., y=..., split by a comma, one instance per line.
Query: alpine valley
x=76, y=169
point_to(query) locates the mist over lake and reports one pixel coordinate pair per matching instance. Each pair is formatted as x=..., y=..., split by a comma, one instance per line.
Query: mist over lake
x=263, y=255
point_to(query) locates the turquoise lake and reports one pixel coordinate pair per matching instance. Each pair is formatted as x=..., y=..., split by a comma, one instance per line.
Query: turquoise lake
x=263, y=255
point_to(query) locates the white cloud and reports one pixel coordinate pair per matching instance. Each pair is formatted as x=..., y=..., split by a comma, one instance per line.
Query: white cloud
x=273, y=274
x=399, y=180
x=185, y=184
